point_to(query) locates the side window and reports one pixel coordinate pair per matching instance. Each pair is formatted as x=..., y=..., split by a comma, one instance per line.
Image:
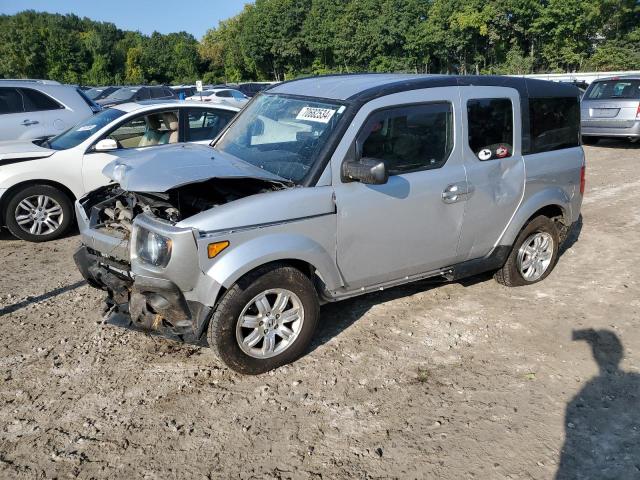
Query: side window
x=205, y=124
x=10, y=101
x=237, y=95
x=224, y=94
x=142, y=94
x=157, y=92
x=410, y=138
x=555, y=123
x=490, y=127
x=147, y=130
x=35, y=101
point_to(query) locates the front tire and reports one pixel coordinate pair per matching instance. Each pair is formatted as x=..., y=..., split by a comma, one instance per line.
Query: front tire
x=533, y=256
x=38, y=213
x=266, y=320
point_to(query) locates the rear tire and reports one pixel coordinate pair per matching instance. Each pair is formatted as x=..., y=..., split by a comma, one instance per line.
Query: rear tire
x=533, y=256
x=590, y=140
x=258, y=343
x=38, y=213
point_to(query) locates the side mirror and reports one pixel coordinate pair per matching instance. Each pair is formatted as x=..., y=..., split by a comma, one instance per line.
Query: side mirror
x=105, y=145
x=366, y=170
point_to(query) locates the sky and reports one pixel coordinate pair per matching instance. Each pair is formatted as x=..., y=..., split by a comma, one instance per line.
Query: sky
x=194, y=16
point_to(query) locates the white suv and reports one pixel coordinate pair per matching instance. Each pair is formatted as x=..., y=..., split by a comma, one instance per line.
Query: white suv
x=40, y=108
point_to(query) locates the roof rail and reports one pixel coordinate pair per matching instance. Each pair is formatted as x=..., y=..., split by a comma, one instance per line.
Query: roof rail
x=31, y=80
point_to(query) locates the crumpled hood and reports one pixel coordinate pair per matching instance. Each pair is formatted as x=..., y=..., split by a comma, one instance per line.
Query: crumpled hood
x=17, y=149
x=163, y=168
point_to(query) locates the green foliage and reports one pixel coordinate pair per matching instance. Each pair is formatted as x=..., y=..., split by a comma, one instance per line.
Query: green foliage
x=281, y=39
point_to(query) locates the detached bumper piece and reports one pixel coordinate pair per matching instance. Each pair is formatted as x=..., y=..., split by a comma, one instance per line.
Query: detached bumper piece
x=148, y=304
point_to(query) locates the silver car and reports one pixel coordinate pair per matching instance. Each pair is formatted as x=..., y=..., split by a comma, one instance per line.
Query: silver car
x=611, y=108
x=37, y=109
x=326, y=188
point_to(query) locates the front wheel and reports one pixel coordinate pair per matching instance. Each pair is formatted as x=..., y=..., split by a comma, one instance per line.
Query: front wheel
x=534, y=254
x=38, y=213
x=265, y=320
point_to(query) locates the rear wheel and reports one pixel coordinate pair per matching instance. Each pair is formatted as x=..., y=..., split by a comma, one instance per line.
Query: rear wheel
x=264, y=321
x=38, y=213
x=590, y=140
x=534, y=254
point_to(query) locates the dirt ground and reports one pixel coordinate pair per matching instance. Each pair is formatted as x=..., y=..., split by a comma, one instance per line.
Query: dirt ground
x=452, y=381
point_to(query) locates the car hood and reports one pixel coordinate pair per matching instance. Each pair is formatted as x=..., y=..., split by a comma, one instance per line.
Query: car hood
x=163, y=168
x=23, y=149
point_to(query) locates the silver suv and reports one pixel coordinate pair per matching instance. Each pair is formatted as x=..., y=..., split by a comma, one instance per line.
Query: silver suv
x=326, y=188
x=611, y=108
x=36, y=109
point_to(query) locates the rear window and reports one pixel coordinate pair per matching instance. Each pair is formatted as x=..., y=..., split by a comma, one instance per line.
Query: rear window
x=35, y=101
x=490, y=127
x=554, y=123
x=611, y=89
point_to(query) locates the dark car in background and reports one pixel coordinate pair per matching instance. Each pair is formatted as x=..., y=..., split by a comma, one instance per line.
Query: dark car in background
x=98, y=93
x=250, y=89
x=137, y=94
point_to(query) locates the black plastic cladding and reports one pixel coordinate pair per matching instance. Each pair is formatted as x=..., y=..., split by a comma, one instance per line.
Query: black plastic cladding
x=526, y=87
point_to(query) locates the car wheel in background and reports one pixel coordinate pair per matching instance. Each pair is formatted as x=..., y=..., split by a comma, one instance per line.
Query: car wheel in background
x=265, y=320
x=590, y=140
x=534, y=254
x=38, y=213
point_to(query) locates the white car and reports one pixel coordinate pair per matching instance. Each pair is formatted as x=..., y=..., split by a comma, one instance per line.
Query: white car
x=224, y=96
x=40, y=108
x=39, y=180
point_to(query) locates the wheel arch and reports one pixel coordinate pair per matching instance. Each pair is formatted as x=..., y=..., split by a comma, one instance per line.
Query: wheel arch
x=552, y=204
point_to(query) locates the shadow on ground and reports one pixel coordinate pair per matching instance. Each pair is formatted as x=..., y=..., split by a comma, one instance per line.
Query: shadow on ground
x=45, y=296
x=602, y=422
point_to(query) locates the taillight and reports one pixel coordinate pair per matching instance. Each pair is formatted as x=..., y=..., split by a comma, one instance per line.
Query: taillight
x=582, y=179
x=638, y=111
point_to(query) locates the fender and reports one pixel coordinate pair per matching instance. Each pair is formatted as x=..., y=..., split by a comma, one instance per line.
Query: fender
x=530, y=205
x=252, y=254
x=35, y=170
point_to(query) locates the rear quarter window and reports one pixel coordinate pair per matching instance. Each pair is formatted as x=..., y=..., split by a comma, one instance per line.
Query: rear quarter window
x=554, y=123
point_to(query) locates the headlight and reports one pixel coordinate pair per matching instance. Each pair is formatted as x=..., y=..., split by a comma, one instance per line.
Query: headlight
x=153, y=248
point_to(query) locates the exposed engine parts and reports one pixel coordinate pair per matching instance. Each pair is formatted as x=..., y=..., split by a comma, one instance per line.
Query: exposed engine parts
x=114, y=208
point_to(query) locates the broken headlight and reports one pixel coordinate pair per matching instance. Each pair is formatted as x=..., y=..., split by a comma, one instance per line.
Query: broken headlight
x=153, y=248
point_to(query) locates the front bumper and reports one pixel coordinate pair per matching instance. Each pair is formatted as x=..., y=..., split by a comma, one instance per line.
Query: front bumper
x=143, y=303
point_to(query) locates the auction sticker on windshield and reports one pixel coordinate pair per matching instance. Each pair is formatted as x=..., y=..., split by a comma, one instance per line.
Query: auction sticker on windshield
x=313, y=114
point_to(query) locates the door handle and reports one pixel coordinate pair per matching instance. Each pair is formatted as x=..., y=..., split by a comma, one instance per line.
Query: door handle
x=26, y=123
x=456, y=192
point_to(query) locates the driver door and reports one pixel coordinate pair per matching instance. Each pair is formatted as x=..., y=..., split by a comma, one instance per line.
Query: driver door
x=148, y=130
x=412, y=223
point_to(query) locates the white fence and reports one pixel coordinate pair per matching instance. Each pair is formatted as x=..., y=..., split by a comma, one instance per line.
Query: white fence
x=580, y=77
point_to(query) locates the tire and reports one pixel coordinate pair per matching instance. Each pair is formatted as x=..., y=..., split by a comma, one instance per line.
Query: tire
x=57, y=212
x=590, y=140
x=225, y=335
x=511, y=274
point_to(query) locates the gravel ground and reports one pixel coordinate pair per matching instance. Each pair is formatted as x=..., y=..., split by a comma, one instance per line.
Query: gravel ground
x=452, y=381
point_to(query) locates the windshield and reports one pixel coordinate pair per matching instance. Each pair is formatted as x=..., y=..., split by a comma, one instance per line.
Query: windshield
x=281, y=135
x=611, y=89
x=123, y=93
x=83, y=130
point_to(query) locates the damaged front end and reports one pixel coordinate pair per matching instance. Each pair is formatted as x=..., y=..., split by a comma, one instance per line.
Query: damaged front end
x=135, y=249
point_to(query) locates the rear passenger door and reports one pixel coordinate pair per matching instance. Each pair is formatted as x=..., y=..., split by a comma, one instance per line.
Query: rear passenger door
x=495, y=167
x=204, y=124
